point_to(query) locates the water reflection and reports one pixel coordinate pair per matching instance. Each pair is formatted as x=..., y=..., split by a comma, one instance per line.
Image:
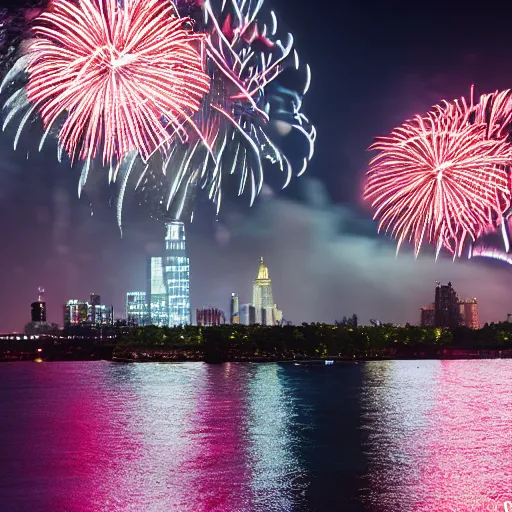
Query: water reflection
x=438, y=435
x=388, y=436
x=278, y=480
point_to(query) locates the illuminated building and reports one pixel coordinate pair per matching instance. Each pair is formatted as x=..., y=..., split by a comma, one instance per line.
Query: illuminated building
x=247, y=314
x=177, y=274
x=262, y=297
x=234, y=309
x=81, y=313
x=38, y=308
x=95, y=312
x=428, y=316
x=76, y=312
x=208, y=316
x=263, y=300
x=100, y=314
x=469, y=313
x=156, y=295
x=446, y=307
x=136, y=308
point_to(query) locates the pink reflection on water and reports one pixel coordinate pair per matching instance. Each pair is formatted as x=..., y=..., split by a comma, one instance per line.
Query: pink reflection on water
x=73, y=440
x=439, y=435
x=219, y=458
x=466, y=460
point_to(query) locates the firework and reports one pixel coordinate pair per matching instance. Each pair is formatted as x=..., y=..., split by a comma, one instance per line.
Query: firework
x=441, y=178
x=114, y=72
x=244, y=117
x=178, y=95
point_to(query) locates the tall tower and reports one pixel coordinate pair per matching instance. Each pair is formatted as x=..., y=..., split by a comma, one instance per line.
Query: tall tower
x=234, y=309
x=262, y=296
x=177, y=274
x=38, y=309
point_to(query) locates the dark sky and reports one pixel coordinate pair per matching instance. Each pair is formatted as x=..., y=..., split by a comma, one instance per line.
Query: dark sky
x=374, y=64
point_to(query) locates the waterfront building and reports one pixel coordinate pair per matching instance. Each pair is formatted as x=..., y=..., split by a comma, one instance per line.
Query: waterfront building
x=446, y=307
x=156, y=295
x=469, y=313
x=234, y=309
x=177, y=274
x=262, y=297
x=136, y=308
x=76, y=312
x=38, y=308
x=95, y=312
x=38, y=323
x=208, y=316
x=428, y=316
x=247, y=314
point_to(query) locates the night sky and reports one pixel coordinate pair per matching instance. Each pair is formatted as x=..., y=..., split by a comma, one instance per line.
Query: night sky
x=373, y=65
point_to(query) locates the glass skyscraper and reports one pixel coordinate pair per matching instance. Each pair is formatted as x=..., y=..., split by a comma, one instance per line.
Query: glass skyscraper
x=156, y=295
x=136, y=308
x=177, y=274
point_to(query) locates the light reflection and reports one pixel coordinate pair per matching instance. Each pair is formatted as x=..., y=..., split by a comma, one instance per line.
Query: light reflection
x=278, y=480
x=438, y=435
x=396, y=397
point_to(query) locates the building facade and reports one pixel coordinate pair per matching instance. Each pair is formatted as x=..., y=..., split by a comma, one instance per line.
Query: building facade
x=263, y=299
x=38, y=311
x=234, y=309
x=247, y=314
x=428, y=316
x=81, y=313
x=177, y=274
x=76, y=312
x=156, y=294
x=208, y=316
x=468, y=309
x=136, y=308
x=446, y=307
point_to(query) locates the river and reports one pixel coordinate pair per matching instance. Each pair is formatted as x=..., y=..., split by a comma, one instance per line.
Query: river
x=375, y=436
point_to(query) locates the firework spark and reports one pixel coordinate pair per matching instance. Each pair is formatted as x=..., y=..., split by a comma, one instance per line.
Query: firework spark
x=440, y=178
x=242, y=114
x=180, y=95
x=113, y=72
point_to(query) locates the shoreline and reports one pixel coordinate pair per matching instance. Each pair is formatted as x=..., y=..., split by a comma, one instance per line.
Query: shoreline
x=256, y=359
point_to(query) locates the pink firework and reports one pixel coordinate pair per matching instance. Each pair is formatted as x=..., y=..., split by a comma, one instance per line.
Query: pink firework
x=440, y=178
x=124, y=78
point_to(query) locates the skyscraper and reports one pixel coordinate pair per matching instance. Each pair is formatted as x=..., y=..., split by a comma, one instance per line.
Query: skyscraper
x=469, y=313
x=234, y=309
x=177, y=274
x=136, y=308
x=38, y=309
x=156, y=295
x=447, y=312
x=247, y=314
x=262, y=297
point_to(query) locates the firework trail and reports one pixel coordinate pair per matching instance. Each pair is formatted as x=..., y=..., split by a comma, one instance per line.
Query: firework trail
x=178, y=96
x=244, y=117
x=442, y=178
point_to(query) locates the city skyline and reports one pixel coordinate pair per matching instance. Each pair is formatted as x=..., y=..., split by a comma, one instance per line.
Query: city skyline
x=72, y=246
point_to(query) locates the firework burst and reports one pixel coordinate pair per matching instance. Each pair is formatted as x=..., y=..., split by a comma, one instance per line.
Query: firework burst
x=242, y=118
x=114, y=72
x=440, y=179
x=179, y=95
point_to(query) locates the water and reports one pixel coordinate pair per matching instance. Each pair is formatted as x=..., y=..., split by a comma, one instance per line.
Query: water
x=387, y=436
